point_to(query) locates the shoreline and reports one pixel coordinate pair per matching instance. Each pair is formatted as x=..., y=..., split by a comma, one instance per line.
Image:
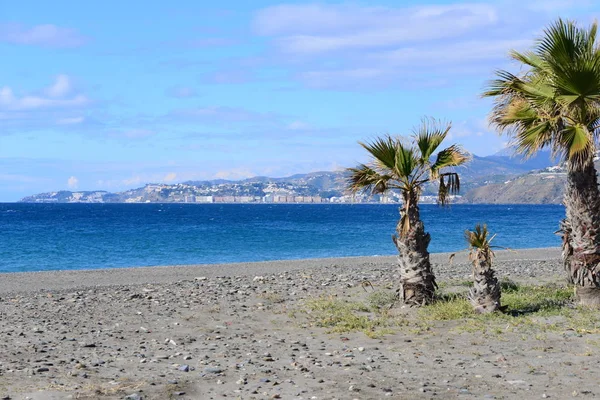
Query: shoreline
x=59, y=280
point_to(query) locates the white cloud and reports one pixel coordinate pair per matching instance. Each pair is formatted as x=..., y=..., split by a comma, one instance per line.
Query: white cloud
x=234, y=174
x=61, y=87
x=170, y=177
x=58, y=104
x=134, y=180
x=181, y=92
x=309, y=29
x=136, y=133
x=219, y=114
x=298, y=126
x=55, y=96
x=47, y=35
x=72, y=182
x=461, y=52
x=70, y=120
x=356, y=46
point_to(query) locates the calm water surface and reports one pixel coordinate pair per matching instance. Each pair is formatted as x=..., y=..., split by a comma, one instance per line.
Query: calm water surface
x=36, y=237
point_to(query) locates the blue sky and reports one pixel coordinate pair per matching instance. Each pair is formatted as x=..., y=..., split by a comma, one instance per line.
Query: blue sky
x=112, y=95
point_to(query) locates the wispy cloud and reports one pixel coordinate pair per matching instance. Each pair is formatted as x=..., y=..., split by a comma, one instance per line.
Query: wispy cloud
x=325, y=28
x=352, y=46
x=47, y=35
x=73, y=182
x=219, y=114
x=57, y=95
x=131, y=133
x=182, y=92
x=228, y=76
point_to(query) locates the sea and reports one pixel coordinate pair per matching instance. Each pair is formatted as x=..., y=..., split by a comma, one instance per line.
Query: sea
x=42, y=237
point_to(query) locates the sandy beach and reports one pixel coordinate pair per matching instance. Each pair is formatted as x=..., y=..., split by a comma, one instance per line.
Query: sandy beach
x=242, y=331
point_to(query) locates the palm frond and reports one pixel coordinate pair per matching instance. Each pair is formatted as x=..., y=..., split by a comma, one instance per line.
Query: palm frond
x=430, y=135
x=449, y=184
x=478, y=241
x=383, y=151
x=577, y=143
x=452, y=156
x=365, y=179
x=406, y=161
x=533, y=137
x=528, y=58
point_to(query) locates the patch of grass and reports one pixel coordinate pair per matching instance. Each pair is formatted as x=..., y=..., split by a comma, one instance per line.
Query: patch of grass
x=542, y=300
x=340, y=316
x=382, y=300
x=447, y=307
x=529, y=310
x=273, y=298
x=526, y=308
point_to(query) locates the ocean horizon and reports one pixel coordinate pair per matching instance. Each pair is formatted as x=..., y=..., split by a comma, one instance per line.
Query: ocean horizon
x=43, y=237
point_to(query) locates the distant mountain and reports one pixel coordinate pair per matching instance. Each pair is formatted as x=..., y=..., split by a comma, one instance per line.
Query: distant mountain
x=478, y=179
x=544, y=187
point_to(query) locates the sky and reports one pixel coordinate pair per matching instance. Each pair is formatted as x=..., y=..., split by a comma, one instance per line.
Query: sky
x=112, y=95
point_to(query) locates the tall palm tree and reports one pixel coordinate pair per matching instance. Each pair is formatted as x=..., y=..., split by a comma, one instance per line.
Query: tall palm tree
x=485, y=293
x=396, y=166
x=555, y=103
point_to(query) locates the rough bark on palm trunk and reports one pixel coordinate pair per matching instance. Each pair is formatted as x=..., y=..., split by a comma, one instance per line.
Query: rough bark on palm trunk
x=485, y=293
x=580, y=229
x=417, y=281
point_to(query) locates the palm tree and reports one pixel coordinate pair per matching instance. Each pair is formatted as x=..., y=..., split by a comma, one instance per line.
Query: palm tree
x=485, y=293
x=396, y=166
x=555, y=103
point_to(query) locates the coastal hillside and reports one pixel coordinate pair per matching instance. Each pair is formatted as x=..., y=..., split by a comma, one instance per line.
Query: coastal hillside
x=544, y=187
x=480, y=178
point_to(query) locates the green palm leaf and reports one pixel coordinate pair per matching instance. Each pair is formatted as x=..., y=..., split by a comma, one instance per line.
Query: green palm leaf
x=383, y=151
x=452, y=156
x=576, y=141
x=430, y=135
x=405, y=162
x=556, y=102
x=365, y=178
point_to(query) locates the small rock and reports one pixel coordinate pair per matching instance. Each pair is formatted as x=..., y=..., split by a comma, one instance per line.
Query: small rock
x=133, y=396
x=184, y=368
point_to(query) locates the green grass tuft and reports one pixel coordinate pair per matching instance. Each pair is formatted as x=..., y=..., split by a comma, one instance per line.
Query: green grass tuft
x=382, y=300
x=340, y=316
x=528, y=309
x=543, y=300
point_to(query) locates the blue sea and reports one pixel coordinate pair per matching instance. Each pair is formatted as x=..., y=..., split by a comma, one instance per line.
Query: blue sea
x=39, y=237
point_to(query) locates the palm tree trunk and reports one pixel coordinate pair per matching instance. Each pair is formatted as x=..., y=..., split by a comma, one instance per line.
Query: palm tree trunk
x=580, y=229
x=417, y=282
x=485, y=293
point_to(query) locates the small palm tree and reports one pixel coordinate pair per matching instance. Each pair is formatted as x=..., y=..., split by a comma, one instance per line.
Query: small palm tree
x=396, y=166
x=485, y=293
x=555, y=103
